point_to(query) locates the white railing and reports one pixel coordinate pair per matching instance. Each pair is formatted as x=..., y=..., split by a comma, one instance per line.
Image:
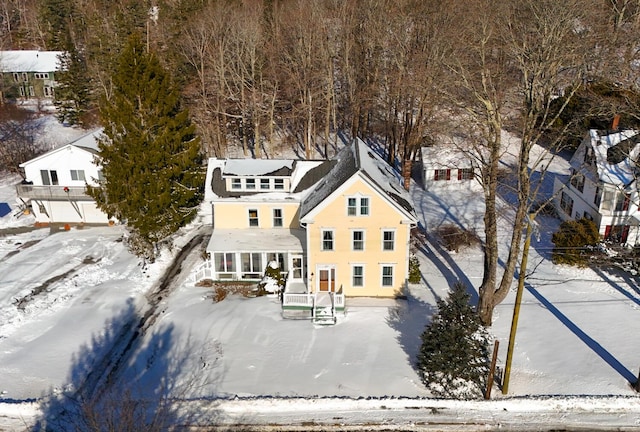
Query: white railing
x=297, y=299
x=205, y=271
x=53, y=192
x=338, y=300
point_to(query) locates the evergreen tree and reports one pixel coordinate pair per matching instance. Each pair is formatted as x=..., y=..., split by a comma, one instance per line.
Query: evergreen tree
x=151, y=160
x=453, y=359
x=72, y=93
x=571, y=242
x=55, y=16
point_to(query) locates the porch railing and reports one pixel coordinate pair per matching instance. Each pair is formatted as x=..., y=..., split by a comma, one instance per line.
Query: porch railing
x=57, y=193
x=297, y=300
x=204, y=271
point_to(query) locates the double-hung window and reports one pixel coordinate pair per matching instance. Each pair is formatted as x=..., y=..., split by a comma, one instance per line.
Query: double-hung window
x=577, y=180
x=357, y=275
x=358, y=206
x=358, y=240
x=566, y=203
x=253, y=218
x=388, y=240
x=236, y=183
x=277, y=218
x=327, y=240
x=250, y=184
x=387, y=275
x=278, y=184
x=265, y=184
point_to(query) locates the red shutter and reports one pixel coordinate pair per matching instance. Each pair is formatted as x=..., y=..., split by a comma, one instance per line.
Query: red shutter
x=435, y=175
x=607, y=232
x=448, y=174
x=459, y=173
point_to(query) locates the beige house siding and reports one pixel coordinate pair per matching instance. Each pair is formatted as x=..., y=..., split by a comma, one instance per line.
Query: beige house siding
x=382, y=216
x=235, y=215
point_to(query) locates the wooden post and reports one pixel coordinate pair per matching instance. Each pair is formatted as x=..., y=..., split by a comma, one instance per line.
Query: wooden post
x=516, y=308
x=492, y=370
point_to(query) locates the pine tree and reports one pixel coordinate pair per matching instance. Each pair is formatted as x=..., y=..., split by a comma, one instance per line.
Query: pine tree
x=572, y=240
x=453, y=358
x=151, y=160
x=72, y=93
x=55, y=16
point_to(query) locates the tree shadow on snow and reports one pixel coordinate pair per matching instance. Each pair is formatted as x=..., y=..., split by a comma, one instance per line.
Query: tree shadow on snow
x=584, y=337
x=633, y=291
x=123, y=381
x=409, y=319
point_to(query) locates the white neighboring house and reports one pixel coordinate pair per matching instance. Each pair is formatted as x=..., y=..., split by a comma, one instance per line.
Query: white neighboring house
x=54, y=185
x=444, y=164
x=602, y=186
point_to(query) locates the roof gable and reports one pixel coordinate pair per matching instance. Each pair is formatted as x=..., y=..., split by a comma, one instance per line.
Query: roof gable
x=88, y=143
x=358, y=159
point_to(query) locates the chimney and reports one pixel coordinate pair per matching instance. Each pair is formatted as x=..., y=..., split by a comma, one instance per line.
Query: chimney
x=616, y=122
x=406, y=173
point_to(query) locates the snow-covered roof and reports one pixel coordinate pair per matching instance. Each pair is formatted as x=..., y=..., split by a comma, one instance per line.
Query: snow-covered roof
x=29, y=61
x=302, y=175
x=258, y=167
x=615, y=154
x=359, y=158
x=241, y=240
x=88, y=142
x=444, y=156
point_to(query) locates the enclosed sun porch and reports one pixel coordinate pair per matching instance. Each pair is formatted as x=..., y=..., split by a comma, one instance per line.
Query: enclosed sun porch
x=242, y=255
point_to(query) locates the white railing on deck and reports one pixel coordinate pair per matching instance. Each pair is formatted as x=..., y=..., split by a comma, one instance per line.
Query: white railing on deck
x=297, y=299
x=338, y=300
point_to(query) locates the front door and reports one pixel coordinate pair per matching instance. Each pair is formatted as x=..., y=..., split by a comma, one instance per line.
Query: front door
x=295, y=267
x=327, y=279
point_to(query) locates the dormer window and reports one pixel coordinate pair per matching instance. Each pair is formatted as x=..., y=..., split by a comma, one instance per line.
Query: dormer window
x=250, y=184
x=236, y=183
x=265, y=184
x=589, y=156
x=278, y=184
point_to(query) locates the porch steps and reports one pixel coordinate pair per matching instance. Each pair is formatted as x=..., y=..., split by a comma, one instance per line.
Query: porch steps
x=324, y=311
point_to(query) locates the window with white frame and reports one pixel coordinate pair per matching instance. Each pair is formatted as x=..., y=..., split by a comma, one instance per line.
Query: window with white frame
x=32, y=92
x=253, y=218
x=358, y=240
x=25, y=76
x=265, y=184
x=566, y=203
x=277, y=218
x=358, y=206
x=77, y=175
x=623, y=200
x=250, y=184
x=16, y=77
x=21, y=89
x=465, y=173
x=41, y=75
x=251, y=265
x=49, y=177
x=387, y=275
x=225, y=263
x=442, y=174
x=48, y=91
x=236, y=183
x=598, y=196
x=327, y=240
x=278, y=257
x=388, y=240
x=278, y=184
x=577, y=180
x=357, y=275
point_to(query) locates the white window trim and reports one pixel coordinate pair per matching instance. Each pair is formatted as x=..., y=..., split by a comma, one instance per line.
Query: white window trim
x=273, y=219
x=333, y=239
x=249, y=218
x=395, y=239
x=364, y=239
x=358, y=197
x=364, y=272
x=382, y=275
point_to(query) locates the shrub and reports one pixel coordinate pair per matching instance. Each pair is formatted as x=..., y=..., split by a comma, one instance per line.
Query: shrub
x=414, y=270
x=453, y=360
x=454, y=237
x=572, y=241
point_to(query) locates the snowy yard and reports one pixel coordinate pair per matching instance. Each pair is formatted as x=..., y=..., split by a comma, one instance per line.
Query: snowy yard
x=65, y=296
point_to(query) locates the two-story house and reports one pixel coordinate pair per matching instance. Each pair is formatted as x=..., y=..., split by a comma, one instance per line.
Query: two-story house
x=603, y=186
x=29, y=74
x=55, y=183
x=338, y=228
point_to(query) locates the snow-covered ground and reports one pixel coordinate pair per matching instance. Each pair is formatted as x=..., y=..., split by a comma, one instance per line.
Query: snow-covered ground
x=64, y=297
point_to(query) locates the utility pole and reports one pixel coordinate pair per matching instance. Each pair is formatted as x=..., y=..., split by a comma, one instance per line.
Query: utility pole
x=516, y=307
